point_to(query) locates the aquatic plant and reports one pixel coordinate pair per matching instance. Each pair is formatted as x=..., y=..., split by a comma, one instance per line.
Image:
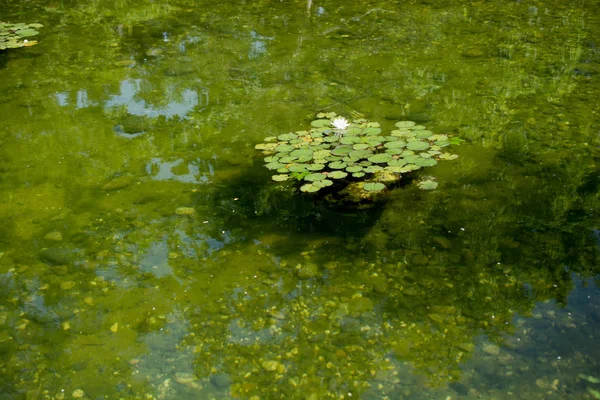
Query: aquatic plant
x=354, y=154
x=13, y=36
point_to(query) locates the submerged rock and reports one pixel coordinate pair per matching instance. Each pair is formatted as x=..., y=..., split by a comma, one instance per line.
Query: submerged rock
x=307, y=271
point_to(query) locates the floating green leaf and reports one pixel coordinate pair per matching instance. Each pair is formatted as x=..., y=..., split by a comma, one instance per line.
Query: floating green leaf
x=322, y=183
x=309, y=188
x=320, y=123
x=397, y=163
x=302, y=153
x=428, y=185
x=350, y=139
x=337, y=165
x=265, y=146
x=280, y=178
x=447, y=156
x=433, y=138
x=287, y=136
x=284, y=147
x=405, y=124
x=380, y=158
x=425, y=162
x=337, y=174
x=354, y=168
x=297, y=168
x=275, y=165
x=395, y=144
x=358, y=174
x=417, y=145
x=315, y=167
x=373, y=168
x=373, y=186
x=314, y=177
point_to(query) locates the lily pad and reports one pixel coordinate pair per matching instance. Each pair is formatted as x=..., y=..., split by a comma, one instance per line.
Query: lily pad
x=359, y=154
x=323, y=183
x=314, y=177
x=358, y=174
x=447, y=156
x=302, y=153
x=380, y=158
x=354, y=168
x=297, y=168
x=320, y=123
x=321, y=153
x=341, y=150
x=337, y=165
x=373, y=168
x=265, y=146
x=395, y=144
x=275, y=165
x=309, y=188
x=405, y=124
x=280, y=178
x=361, y=146
x=284, y=147
x=337, y=174
x=397, y=163
x=373, y=186
x=428, y=185
x=425, y=162
x=350, y=139
x=417, y=145
x=315, y=167
x=287, y=136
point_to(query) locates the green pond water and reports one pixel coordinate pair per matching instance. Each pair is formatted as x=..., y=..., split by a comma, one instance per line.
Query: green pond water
x=145, y=252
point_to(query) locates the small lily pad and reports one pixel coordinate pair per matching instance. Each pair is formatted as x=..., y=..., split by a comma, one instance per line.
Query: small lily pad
x=323, y=183
x=405, y=124
x=360, y=146
x=395, y=144
x=280, y=178
x=287, y=159
x=428, y=185
x=380, y=158
x=447, y=156
x=354, y=168
x=397, y=163
x=309, y=188
x=337, y=165
x=350, y=139
x=358, y=174
x=315, y=167
x=425, y=162
x=417, y=145
x=297, y=168
x=341, y=150
x=275, y=165
x=287, y=136
x=373, y=186
x=320, y=123
x=337, y=174
x=373, y=168
x=314, y=177
x=284, y=147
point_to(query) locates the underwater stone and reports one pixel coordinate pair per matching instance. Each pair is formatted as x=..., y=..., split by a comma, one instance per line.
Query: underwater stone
x=222, y=381
x=54, y=236
x=307, y=271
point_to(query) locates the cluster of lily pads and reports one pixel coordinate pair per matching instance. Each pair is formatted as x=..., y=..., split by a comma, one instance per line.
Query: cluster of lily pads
x=13, y=36
x=355, y=153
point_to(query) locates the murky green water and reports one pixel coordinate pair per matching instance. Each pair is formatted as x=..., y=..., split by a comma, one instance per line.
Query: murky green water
x=126, y=112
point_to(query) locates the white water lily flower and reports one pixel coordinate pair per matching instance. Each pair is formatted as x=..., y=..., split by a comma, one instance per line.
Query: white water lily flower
x=340, y=123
